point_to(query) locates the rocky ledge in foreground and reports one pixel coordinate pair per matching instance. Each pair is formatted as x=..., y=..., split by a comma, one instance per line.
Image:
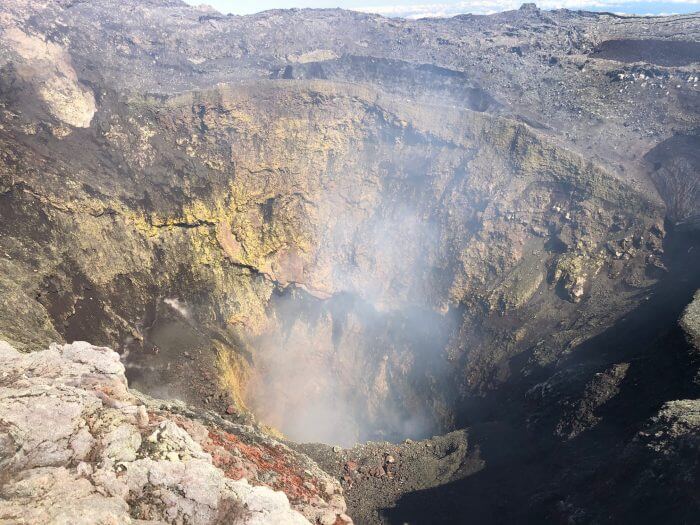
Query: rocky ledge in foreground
x=77, y=446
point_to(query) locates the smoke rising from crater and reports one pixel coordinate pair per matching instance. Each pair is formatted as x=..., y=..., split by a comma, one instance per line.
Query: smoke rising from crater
x=361, y=364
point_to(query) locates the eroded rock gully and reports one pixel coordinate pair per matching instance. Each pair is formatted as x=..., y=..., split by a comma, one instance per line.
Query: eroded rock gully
x=492, y=241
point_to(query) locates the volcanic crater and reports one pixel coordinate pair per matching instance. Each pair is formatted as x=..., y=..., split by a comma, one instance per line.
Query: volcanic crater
x=440, y=258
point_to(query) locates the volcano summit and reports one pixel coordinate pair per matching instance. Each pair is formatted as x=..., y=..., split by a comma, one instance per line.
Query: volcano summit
x=325, y=266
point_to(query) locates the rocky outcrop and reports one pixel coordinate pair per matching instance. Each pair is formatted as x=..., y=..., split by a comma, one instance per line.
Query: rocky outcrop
x=673, y=434
x=658, y=469
x=660, y=466
x=577, y=407
x=78, y=446
x=690, y=322
x=46, y=68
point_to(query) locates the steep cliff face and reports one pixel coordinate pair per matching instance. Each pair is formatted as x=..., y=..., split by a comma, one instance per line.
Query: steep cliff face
x=283, y=217
x=331, y=190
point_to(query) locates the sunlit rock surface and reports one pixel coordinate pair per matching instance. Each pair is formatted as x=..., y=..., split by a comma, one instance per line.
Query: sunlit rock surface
x=77, y=446
x=690, y=322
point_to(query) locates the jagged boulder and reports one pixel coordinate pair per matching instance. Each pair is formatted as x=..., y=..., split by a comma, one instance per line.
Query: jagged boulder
x=77, y=446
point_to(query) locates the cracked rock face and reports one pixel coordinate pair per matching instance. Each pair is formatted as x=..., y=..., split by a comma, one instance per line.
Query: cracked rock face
x=78, y=446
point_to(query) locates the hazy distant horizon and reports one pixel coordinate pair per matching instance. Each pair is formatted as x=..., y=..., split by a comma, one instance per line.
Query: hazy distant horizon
x=420, y=9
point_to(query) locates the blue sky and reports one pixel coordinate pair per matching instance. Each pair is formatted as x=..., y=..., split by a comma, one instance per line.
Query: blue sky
x=419, y=8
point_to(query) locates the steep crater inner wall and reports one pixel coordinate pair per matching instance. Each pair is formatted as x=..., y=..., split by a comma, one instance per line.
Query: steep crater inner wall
x=339, y=262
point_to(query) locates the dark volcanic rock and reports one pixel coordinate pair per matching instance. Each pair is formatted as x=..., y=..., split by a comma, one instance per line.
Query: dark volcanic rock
x=351, y=227
x=661, y=52
x=675, y=174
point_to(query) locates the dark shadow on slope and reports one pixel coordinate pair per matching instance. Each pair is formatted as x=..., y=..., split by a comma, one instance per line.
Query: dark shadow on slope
x=660, y=52
x=401, y=78
x=674, y=170
x=533, y=477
